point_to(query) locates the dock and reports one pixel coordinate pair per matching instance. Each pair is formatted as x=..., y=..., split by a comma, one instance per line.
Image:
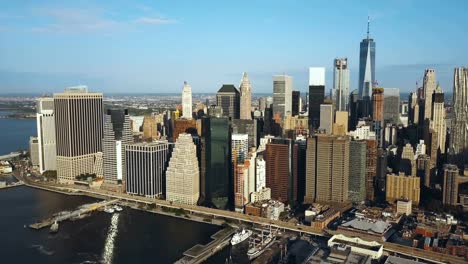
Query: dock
x=62, y=216
x=200, y=253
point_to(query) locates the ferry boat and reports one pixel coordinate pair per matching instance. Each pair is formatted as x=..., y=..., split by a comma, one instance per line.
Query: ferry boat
x=240, y=236
x=54, y=228
x=118, y=208
x=109, y=210
x=240, y=246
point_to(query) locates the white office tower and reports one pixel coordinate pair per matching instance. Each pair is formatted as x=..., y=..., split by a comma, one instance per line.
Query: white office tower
x=117, y=133
x=245, y=97
x=46, y=134
x=438, y=117
x=282, y=95
x=183, y=175
x=341, y=84
x=79, y=132
x=187, y=101
x=146, y=167
x=429, y=86
x=260, y=173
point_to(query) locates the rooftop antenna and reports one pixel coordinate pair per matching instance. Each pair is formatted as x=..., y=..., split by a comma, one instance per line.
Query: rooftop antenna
x=368, y=26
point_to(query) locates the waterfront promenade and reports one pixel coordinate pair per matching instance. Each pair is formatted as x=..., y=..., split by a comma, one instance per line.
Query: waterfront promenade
x=390, y=248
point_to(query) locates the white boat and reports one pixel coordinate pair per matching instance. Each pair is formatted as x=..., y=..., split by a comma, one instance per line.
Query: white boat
x=109, y=210
x=118, y=208
x=240, y=236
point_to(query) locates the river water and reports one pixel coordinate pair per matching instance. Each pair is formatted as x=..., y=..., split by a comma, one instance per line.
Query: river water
x=130, y=236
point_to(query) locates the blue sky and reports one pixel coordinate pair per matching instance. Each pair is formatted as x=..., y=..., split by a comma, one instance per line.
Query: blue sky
x=153, y=46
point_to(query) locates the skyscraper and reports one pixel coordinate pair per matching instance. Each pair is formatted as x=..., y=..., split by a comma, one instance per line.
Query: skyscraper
x=46, y=134
x=366, y=65
x=228, y=98
x=296, y=103
x=316, y=95
x=459, y=134
x=281, y=169
x=429, y=86
x=377, y=104
x=326, y=118
x=245, y=98
x=391, y=105
x=34, y=151
x=366, y=72
x=216, y=181
x=438, y=117
x=239, y=153
x=146, y=165
x=357, y=170
x=341, y=84
x=187, y=101
x=413, y=108
x=183, y=174
x=282, y=95
x=327, y=169
x=117, y=134
x=79, y=132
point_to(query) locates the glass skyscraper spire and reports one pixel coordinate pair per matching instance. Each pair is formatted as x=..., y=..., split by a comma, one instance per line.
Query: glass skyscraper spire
x=366, y=70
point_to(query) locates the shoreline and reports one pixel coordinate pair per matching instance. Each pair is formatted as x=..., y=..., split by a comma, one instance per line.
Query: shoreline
x=191, y=217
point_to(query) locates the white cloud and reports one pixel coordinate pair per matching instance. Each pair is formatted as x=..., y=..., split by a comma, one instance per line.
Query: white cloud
x=154, y=21
x=77, y=20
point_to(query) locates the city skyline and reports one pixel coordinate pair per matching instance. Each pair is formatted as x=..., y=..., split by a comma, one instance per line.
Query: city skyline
x=115, y=51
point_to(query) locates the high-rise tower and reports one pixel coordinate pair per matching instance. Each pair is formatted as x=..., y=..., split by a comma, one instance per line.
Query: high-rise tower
x=438, y=117
x=341, y=84
x=183, y=174
x=282, y=94
x=316, y=95
x=117, y=133
x=187, y=101
x=327, y=169
x=79, y=131
x=366, y=71
x=429, y=86
x=46, y=134
x=245, y=97
x=459, y=135
x=228, y=98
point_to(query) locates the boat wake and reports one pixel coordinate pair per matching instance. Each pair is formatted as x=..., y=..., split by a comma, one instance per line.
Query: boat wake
x=43, y=250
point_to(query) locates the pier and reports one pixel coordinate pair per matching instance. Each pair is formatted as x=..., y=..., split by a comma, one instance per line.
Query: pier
x=200, y=253
x=16, y=184
x=62, y=216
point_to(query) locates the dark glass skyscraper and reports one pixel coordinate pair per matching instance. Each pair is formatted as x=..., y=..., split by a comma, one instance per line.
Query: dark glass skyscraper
x=216, y=168
x=228, y=97
x=366, y=71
